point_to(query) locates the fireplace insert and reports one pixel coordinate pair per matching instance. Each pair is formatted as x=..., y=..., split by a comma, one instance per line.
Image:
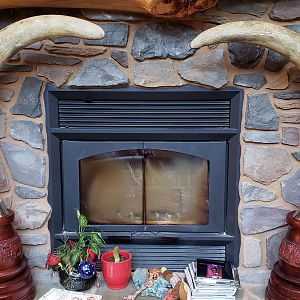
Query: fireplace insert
x=155, y=170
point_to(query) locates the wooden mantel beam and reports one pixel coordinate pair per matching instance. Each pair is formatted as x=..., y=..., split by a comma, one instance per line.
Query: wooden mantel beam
x=157, y=8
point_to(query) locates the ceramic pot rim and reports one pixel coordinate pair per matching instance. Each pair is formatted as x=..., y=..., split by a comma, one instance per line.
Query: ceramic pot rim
x=6, y=220
x=109, y=254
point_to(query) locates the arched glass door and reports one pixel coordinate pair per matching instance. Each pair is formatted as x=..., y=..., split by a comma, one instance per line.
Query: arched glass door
x=145, y=186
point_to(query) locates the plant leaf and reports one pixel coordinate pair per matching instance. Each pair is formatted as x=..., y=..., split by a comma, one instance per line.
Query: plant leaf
x=95, y=248
x=97, y=238
x=82, y=220
x=117, y=254
x=75, y=256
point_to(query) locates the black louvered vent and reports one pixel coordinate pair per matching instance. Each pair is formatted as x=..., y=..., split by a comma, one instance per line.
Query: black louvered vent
x=142, y=113
x=172, y=257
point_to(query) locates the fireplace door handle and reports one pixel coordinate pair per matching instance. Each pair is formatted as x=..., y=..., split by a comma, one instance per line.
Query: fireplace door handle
x=140, y=234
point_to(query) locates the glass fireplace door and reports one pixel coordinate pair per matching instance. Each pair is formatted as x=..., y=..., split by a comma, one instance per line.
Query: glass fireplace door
x=149, y=185
x=176, y=188
x=112, y=187
x=144, y=186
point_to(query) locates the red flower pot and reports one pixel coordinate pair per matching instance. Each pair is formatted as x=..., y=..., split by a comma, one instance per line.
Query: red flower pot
x=116, y=275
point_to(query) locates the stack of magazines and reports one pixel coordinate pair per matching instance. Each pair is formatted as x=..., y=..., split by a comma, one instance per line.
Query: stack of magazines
x=212, y=280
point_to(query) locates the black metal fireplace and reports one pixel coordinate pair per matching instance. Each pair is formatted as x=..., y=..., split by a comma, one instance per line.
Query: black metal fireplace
x=155, y=170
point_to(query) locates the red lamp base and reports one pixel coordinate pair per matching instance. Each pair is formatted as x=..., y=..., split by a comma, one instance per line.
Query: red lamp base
x=284, y=282
x=15, y=278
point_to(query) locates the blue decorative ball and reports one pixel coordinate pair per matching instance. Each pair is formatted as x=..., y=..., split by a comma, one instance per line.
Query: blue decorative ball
x=86, y=269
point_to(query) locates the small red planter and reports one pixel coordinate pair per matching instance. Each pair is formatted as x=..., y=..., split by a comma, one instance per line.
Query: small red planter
x=116, y=275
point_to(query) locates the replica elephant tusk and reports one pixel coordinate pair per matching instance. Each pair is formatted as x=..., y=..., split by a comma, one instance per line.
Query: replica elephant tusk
x=275, y=37
x=28, y=31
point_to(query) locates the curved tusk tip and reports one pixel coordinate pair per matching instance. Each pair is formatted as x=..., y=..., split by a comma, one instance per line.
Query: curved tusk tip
x=194, y=44
x=100, y=33
x=95, y=32
x=197, y=41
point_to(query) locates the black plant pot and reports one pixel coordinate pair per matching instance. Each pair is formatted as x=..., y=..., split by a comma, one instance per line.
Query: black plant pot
x=74, y=282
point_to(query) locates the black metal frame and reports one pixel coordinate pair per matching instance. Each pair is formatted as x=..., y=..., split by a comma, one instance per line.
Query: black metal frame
x=214, y=152
x=225, y=233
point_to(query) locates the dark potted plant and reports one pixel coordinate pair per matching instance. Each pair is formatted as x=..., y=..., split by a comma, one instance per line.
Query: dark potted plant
x=75, y=260
x=116, y=268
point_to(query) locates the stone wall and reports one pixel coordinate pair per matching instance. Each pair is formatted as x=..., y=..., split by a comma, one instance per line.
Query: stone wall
x=140, y=51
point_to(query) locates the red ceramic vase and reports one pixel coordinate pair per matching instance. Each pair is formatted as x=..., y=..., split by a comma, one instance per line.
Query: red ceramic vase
x=284, y=283
x=116, y=275
x=11, y=252
x=15, y=278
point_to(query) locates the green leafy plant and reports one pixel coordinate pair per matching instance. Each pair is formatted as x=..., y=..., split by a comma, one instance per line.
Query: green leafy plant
x=67, y=256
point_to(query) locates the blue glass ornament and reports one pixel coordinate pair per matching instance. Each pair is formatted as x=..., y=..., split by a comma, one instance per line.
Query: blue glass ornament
x=86, y=269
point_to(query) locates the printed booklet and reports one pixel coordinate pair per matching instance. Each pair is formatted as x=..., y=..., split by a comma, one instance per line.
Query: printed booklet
x=57, y=294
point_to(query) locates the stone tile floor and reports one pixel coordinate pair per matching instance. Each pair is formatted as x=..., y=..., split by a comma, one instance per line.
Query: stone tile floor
x=250, y=292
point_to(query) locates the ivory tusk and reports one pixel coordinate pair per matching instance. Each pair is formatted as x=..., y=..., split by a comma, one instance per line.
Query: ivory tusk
x=275, y=37
x=28, y=31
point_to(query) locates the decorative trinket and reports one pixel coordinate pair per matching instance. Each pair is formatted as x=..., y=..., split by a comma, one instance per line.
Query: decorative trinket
x=86, y=269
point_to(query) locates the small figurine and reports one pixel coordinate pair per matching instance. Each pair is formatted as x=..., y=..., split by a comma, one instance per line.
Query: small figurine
x=160, y=283
x=140, y=277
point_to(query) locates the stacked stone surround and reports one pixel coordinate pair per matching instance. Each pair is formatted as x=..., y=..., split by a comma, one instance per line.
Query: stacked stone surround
x=143, y=52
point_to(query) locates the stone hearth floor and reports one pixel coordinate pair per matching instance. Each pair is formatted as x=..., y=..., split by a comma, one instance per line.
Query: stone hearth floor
x=251, y=292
